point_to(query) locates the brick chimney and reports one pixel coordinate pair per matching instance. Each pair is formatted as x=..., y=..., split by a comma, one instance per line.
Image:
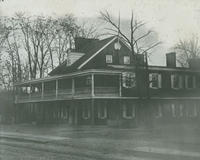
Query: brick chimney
x=80, y=42
x=171, y=59
x=139, y=59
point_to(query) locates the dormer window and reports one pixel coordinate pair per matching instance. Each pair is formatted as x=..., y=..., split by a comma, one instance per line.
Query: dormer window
x=126, y=59
x=176, y=81
x=155, y=80
x=109, y=59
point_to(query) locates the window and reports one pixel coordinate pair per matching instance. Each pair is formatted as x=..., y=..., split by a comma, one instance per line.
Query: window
x=128, y=80
x=181, y=110
x=173, y=110
x=85, y=112
x=28, y=90
x=126, y=60
x=177, y=110
x=159, y=111
x=191, y=110
x=155, y=80
x=128, y=111
x=176, y=81
x=190, y=81
x=109, y=59
x=63, y=112
x=36, y=89
x=198, y=81
x=102, y=112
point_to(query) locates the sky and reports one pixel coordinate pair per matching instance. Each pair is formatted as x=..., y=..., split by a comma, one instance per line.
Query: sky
x=171, y=19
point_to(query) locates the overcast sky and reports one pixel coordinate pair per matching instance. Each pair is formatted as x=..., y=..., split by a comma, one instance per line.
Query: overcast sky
x=171, y=19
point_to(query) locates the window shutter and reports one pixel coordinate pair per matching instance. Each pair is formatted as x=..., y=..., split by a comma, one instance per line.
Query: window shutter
x=150, y=80
x=159, y=81
x=181, y=110
x=172, y=81
x=194, y=81
x=124, y=111
x=186, y=81
x=133, y=111
x=173, y=110
x=195, y=110
x=124, y=80
x=180, y=81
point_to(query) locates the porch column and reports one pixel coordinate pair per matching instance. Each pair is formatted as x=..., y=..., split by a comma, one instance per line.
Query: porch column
x=42, y=90
x=120, y=86
x=76, y=114
x=56, y=88
x=73, y=87
x=92, y=112
x=92, y=85
x=71, y=113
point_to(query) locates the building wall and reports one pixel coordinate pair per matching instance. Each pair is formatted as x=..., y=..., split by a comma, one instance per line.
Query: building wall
x=81, y=113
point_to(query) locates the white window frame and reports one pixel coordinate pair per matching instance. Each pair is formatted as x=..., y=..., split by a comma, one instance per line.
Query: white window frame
x=88, y=112
x=109, y=59
x=104, y=112
x=180, y=81
x=125, y=105
x=131, y=76
x=127, y=60
x=159, y=80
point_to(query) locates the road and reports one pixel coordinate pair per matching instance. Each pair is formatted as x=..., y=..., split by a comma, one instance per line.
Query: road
x=98, y=143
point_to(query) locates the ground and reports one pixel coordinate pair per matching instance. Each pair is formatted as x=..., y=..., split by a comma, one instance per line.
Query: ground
x=64, y=142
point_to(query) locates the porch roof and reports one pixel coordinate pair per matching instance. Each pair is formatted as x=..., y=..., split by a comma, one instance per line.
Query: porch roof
x=74, y=74
x=112, y=69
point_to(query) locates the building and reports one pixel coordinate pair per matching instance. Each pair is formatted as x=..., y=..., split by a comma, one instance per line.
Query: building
x=101, y=82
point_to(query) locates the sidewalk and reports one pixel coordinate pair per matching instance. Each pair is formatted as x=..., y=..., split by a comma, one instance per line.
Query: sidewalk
x=167, y=140
x=30, y=137
x=140, y=148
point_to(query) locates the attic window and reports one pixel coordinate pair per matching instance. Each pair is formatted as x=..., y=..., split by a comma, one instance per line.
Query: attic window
x=109, y=59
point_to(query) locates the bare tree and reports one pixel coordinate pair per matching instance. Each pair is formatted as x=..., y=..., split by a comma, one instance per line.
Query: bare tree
x=187, y=49
x=66, y=29
x=32, y=46
x=134, y=38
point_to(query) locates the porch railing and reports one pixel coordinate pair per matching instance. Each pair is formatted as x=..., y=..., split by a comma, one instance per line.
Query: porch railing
x=83, y=91
x=68, y=93
x=106, y=91
x=64, y=93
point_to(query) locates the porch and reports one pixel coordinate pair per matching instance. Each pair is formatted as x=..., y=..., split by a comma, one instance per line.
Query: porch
x=66, y=88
